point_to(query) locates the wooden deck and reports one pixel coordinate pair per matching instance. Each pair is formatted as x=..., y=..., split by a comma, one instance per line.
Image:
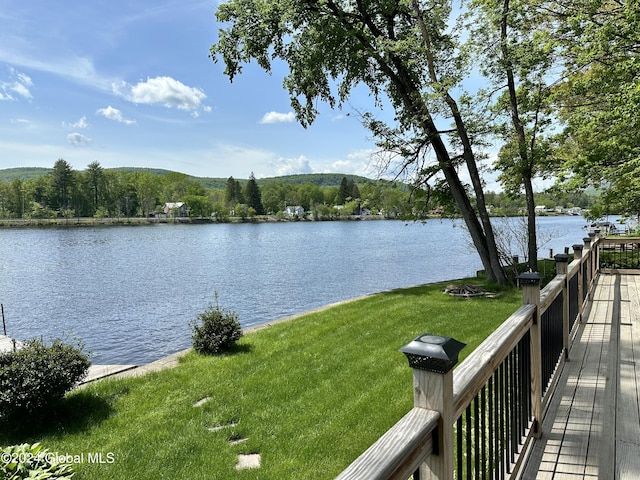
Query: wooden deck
x=592, y=426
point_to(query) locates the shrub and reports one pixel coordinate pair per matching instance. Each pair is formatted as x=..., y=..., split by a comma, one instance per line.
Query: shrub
x=33, y=462
x=36, y=377
x=215, y=330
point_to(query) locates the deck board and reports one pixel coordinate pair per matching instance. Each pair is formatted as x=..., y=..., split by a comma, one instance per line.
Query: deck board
x=628, y=406
x=591, y=429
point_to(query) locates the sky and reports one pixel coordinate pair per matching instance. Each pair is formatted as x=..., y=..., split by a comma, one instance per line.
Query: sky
x=130, y=83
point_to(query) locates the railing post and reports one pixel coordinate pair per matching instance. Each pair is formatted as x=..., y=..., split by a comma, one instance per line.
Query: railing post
x=432, y=358
x=562, y=261
x=530, y=283
x=577, y=255
x=592, y=257
x=596, y=252
x=589, y=260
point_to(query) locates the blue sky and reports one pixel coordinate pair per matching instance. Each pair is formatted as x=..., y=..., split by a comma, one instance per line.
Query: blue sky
x=131, y=84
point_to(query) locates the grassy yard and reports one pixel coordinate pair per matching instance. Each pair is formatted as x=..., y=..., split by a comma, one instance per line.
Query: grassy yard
x=309, y=395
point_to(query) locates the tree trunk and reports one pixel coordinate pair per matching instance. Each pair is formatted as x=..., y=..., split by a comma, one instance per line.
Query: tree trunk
x=526, y=158
x=492, y=268
x=472, y=168
x=481, y=232
x=532, y=241
x=473, y=225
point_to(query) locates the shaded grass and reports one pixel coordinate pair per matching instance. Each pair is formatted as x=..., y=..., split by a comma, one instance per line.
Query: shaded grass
x=309, y=395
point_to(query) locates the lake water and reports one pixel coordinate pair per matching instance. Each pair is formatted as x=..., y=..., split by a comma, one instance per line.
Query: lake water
x=130, y=292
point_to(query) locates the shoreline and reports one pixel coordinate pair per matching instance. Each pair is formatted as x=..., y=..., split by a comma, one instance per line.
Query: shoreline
x=17, y=223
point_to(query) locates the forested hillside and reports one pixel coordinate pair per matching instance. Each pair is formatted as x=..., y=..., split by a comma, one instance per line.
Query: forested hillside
x=320, y=179
x=62, y=191
x=132, y=191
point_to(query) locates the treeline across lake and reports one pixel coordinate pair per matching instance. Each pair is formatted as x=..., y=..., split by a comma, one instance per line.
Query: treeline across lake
x=64, y=192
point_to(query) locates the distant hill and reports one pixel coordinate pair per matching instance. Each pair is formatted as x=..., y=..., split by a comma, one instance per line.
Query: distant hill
x=320, y=179
x=22, y=173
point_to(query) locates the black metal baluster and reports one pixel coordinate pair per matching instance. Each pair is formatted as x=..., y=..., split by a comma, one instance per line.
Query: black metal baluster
x=469, y=442
x=459, y=447
x=476, y=431
x=483, y=428
x=501, y=416
x=492, y=429
x=514, y=407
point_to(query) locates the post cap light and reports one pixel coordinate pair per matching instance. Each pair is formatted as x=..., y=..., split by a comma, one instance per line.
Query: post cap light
x=528, y=279
x=433, y=353
x=561, y=258
x=578, y=246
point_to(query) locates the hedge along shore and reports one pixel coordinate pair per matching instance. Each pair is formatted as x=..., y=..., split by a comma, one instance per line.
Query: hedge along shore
x=171, y=361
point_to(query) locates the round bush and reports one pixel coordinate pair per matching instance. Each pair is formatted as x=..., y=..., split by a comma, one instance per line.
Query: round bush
x=215, y=330
x=36, y=377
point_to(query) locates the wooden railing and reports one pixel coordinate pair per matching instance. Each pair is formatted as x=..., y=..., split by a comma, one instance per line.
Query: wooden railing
x=619, y=253
x=477, y=420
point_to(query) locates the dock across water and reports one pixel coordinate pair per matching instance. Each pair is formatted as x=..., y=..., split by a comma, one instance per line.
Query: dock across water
x=6, y=344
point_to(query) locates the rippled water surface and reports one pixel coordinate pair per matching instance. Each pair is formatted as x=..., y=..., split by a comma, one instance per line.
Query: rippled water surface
x=130, y=292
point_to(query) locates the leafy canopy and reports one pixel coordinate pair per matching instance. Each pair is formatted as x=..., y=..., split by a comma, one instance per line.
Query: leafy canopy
x=340, y=42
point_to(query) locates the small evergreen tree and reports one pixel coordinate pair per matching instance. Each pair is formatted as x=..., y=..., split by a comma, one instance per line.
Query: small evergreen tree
x=215, y=330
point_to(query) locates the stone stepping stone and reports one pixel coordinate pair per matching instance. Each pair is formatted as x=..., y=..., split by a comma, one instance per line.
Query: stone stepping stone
x=201, y=402
x=246, y=461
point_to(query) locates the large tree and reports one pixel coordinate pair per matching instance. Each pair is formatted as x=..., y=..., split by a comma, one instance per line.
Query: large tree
x=253, y=196
x=402, y=51
x=233, y=192
x=95, y=181
x=62, y=182
x=515, y=52
x=601, y=98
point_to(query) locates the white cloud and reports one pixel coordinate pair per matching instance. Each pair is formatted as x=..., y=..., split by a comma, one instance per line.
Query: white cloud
x=290, y=166
x=82, y=123
x=78, y=139
x=165, y=91
x=357, y=162
x=21, y=89
x=276, y=117
x=79, y=69
x=17, y=86
x=114, y=114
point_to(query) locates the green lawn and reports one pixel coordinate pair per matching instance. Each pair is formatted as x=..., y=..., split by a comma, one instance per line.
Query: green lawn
x=309, y=395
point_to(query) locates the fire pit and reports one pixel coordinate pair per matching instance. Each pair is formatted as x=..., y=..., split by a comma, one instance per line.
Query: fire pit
x=466, y=290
